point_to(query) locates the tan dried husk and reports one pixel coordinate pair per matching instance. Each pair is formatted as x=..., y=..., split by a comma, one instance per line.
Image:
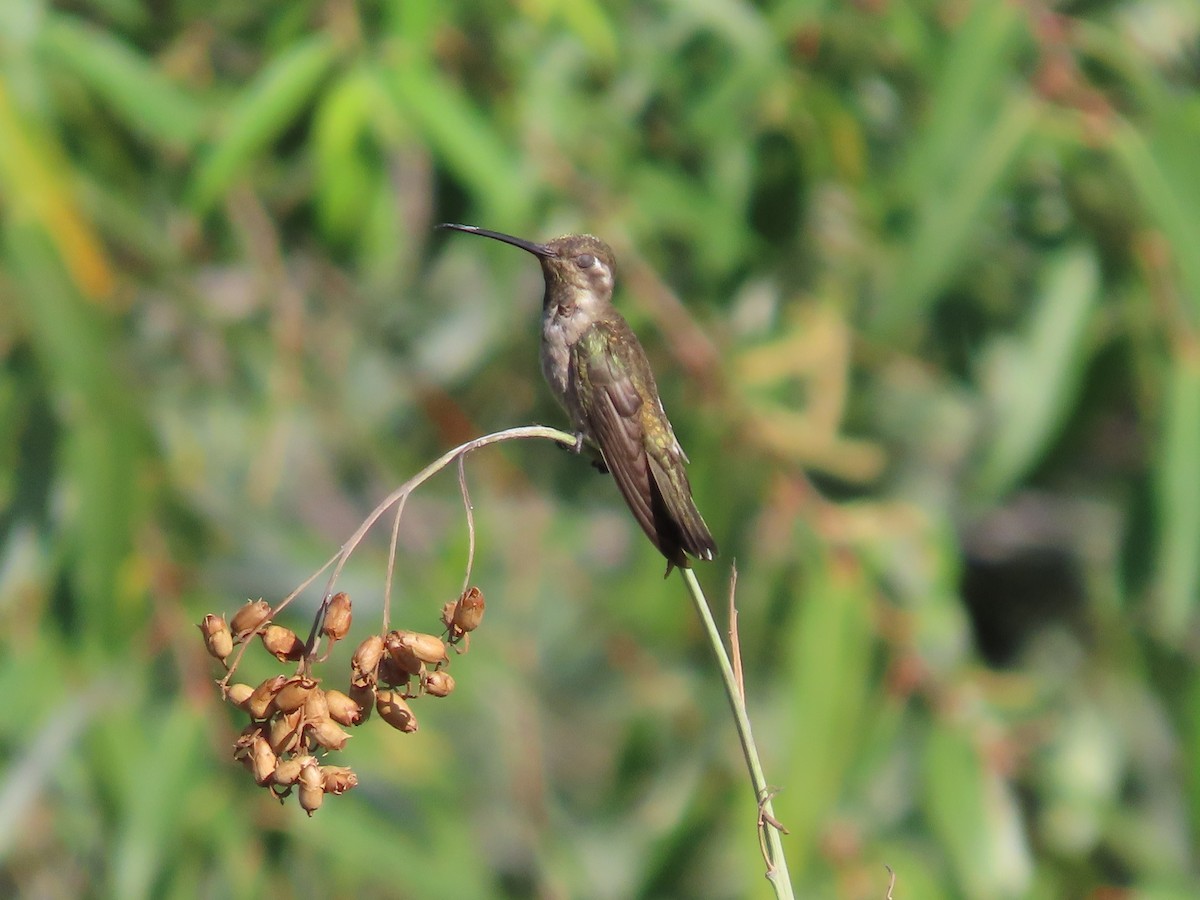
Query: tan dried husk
x=428, y=648
x=468, y=610
x=285, y=731
x=364, y=696
x=250, y=617
x=316, y=706
x=218, y=639
x=264, y=761
x=295, y=693
x=312, y=790
x=366, y=660
x=282, y=643
x=338, y=779
x=243, y=747
x=337, y=617
x=392, y=674
x=394, y=710
x=287, y=772
x=438, y=684
x=238, y=693
x=342, y=709
x=328, y=734
x=261, y=701
x=400, y=652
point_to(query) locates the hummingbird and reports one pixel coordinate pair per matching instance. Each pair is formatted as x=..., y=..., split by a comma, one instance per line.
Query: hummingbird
x=598, y=372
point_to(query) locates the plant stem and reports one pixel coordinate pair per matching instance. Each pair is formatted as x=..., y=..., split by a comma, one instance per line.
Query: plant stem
x=769, y=828
x=397, y=498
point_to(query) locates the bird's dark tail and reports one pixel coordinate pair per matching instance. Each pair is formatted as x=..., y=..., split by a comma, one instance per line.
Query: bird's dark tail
x=680, y=527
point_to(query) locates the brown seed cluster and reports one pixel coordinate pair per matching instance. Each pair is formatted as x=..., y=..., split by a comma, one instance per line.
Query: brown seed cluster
x=293, y=719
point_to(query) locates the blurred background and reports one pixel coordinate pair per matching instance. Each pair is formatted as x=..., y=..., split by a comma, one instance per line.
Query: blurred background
x=921, y=284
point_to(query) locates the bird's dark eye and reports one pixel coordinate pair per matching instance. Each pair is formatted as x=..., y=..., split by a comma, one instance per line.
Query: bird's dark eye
x=585, y=260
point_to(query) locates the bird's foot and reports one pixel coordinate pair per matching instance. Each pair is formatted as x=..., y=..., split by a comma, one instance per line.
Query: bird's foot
x=597, y=460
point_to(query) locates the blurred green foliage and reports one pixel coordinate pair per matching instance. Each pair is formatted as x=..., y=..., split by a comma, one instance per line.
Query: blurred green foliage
x=944, y=257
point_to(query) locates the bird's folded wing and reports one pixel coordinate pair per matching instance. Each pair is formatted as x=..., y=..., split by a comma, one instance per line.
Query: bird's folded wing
x=613, y=406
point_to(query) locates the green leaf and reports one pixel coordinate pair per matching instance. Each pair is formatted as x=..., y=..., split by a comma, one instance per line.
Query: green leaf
x=104, y=437
x=259, y=114
x=36, y=184
x=587, y=20
x=976, y=129
x=1032, y=381
x=465, y=139
x=1177, y=498
x=947, y=209
x=129, y=83
x=1161, y=163
x=345, y=180
x=974, y=815
x=150, y=776
x=969, y=91
x=829, y=649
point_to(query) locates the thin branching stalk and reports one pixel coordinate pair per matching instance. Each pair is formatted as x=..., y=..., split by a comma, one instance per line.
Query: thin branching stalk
x=470, y=513
x=398, y=498
x=401, y=493
x=391, y=565
x=769, y=828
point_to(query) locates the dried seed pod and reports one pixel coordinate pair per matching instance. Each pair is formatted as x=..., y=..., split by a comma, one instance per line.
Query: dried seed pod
x=401, y=653
x=337, y=617
x=338, y=779
x=250, y=617
x=294, y=693
x=218, y=639
x=260, y=701
x=327, y=733
x=428, y=648
x=392, y=674
x=312, y=790
x=287, y=772
x=395, y=710
x=264, y=761
x=238, y=693
x=282, y=643
x=366, y=660
x=468, y=611
x=448, y=609
x=364, y=697
x=316, y=706
x=285, y=732
x=243, y=747
x=439, y=683
x=342, y=709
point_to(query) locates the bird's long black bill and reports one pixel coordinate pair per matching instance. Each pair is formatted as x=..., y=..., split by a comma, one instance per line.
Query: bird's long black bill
x=540, y=250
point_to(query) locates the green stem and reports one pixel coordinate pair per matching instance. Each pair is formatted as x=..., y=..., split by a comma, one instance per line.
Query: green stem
x=769, y=829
